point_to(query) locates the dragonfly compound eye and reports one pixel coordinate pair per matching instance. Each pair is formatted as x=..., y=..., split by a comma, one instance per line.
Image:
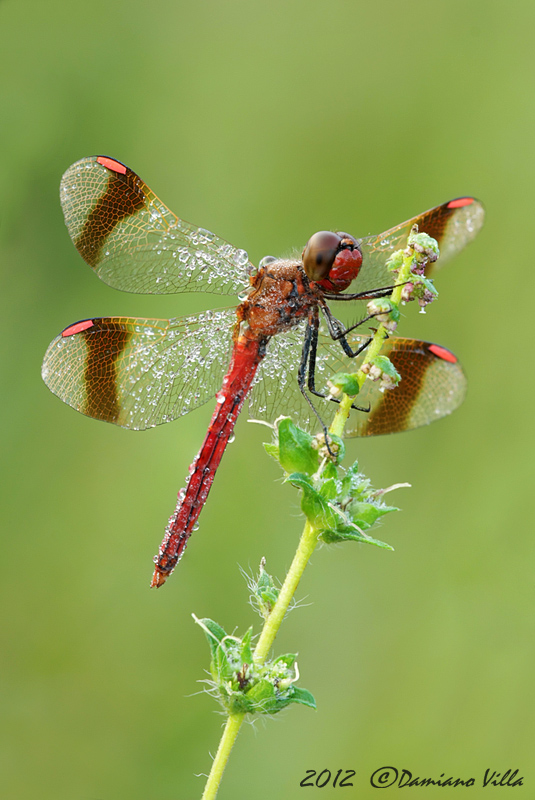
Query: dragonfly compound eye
x=347, y=264
x=319, y=254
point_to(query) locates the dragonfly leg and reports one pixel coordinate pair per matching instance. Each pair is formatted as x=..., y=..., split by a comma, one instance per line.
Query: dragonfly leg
x=311, y=350
x=339, y=333
x=372, y=294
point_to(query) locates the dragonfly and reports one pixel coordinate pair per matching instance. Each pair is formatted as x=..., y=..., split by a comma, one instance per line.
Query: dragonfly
x=273, y=349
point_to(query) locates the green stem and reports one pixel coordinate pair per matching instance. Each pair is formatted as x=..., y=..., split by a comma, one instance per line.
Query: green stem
x=228, y=738
x=307, y=545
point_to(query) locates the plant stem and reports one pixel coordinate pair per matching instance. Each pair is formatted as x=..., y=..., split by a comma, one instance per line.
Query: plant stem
x=228, y=738
x=307, y=545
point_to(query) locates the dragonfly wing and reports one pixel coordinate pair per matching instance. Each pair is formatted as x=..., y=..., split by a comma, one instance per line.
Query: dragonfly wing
x=275, y=389
x=135, y=243
x=432, y=385
x=453, y=224
x=138, y=373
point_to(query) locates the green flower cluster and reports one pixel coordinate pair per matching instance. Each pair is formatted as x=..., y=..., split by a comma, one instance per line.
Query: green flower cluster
x=340, y=504
x=240, y=685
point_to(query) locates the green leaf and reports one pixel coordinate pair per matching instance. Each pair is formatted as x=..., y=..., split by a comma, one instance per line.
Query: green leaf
x=288, y=659
x=354, y=484
x=329, y=488
x=227, y=660
x=272, y=450
x=296, y=451
x=220, y=667
x=261, y=696
x=395, y=314
x=246, y=653
x=421, y=283
x=395, y=261
x=348, y=534
x=386, y=366
x=425, y=241
x=341, y=450
x=351, y=473
x=214, y=633
x=314, y=506
x=268, y=595
x=365, y=514
x=265, y=591
x=303, y=696
x=347, y=383
x=329, y=470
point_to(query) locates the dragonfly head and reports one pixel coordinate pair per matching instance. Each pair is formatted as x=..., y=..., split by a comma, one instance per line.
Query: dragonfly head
x=332, y=260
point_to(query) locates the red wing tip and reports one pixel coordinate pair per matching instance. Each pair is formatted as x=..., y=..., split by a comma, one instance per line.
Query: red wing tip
x=78, y=327
x=460, y=202
x=443, y=353
x=111, y=163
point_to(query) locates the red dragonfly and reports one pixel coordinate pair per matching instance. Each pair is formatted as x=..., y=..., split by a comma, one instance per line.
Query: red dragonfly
x=138, y=373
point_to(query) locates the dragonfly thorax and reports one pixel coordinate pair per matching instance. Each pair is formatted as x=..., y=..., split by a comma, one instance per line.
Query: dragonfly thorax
x=280, y=297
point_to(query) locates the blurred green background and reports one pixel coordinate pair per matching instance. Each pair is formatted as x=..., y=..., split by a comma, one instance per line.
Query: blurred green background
x=265, y=122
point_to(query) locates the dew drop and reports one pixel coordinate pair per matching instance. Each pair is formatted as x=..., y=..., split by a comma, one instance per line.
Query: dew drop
x=266, y=260
x=241, y=257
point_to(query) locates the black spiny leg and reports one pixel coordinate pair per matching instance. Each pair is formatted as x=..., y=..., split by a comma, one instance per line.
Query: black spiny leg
x=311, y=338
x=339, y=333
x=312, y=347
x=372, y=294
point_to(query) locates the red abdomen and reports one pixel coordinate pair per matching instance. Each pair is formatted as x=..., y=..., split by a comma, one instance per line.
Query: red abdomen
x=246, y=357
